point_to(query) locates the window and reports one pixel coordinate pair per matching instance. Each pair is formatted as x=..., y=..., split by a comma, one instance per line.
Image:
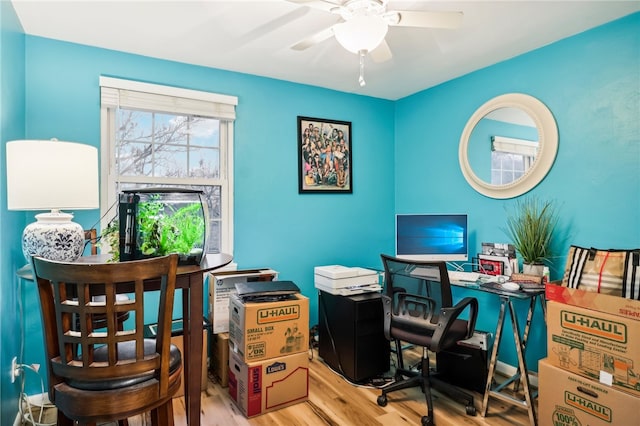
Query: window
x=162, y=136
x=510, y=159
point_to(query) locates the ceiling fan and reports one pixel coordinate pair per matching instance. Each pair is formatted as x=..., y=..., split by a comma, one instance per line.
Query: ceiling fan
x=363, y=25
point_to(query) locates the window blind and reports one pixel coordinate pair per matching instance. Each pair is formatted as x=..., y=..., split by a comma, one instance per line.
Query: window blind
x=514, y=146
x=130, y=94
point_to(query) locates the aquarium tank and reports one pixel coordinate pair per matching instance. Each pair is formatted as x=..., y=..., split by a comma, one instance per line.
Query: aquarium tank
x=159, y=221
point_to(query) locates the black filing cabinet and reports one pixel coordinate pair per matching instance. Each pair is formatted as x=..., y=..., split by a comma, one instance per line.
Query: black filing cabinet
x=351, y=335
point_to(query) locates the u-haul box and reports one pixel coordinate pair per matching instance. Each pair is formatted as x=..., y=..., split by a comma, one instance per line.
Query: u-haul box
x=601, y=346
x=569, y=399
x=261, y=330
x=606, y=303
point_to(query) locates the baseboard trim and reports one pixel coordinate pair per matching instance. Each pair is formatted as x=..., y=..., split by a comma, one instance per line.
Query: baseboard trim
x=509, y=370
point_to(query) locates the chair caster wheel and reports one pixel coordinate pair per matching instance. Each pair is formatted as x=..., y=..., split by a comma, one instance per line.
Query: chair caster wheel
x=382, y=400
x=471, y=410
x=427, y=421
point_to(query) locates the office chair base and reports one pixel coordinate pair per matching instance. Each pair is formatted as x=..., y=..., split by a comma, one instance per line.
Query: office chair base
x=415, y=378
x=455, y=393
x=425, y=420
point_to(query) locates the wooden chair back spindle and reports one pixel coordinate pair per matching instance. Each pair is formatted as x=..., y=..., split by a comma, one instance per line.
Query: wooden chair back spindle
x=81, y=382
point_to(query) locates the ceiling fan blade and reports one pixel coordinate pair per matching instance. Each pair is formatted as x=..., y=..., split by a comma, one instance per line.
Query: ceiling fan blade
x=382, y=53
x=325, y=5
x=425, y=19
x=318, y=37
x=270, y=26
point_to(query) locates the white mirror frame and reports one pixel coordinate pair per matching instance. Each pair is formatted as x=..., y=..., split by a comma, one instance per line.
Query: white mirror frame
x=547, y=145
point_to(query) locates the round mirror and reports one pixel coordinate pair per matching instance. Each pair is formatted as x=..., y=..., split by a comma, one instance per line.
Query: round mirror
x=508, y=145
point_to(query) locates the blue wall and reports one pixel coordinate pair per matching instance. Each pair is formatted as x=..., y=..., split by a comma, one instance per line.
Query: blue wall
x=274, y=225
x=12, y=121
x=591, y=83
x=404, y=154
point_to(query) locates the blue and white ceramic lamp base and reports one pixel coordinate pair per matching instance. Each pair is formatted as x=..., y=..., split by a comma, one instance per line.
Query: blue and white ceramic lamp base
x=53, y=236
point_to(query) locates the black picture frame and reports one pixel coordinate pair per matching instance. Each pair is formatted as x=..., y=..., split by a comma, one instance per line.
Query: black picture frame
x=324, y=156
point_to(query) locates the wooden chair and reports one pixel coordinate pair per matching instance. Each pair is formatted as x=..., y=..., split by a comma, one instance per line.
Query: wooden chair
x=118, y=374
x=99, y=320
x=91, y=237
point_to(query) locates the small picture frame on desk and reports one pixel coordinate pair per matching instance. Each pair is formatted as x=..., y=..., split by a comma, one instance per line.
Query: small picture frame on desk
x=324, y=156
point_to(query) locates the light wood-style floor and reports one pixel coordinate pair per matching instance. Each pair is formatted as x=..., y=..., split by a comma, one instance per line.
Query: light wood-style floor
x=336, y=402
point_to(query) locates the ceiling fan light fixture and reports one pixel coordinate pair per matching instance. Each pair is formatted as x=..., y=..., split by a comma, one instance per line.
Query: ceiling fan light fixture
x=361, y=33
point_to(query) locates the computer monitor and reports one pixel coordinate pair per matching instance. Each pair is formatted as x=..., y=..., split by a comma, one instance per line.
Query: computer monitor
x=432, y=237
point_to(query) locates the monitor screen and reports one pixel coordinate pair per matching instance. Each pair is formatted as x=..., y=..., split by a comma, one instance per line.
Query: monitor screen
x=432, y=237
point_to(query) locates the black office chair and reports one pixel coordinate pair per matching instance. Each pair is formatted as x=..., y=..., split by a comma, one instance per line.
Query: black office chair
x=418, y=310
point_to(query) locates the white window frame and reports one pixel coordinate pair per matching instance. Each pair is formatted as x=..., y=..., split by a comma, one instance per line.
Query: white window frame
x=527, y=150
x=159, y=98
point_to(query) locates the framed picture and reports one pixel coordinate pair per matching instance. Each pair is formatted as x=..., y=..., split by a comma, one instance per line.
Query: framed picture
x=324, y=155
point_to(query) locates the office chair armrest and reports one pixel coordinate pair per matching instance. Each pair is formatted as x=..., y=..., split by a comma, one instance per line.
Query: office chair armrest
x=449, y=315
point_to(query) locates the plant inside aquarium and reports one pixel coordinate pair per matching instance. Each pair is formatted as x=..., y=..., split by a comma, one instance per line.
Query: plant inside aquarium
x=163, y=229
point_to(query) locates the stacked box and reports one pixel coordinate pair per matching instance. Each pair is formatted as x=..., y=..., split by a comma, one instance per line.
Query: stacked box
x=590, y=375
x=594, y=344
x=204, y=379
x=270, y=384
x=268, y=359
x=595, y=335
x=613, y=305
x=570, y=399
x=263, y=330
x=220, y=358
x=222, y=285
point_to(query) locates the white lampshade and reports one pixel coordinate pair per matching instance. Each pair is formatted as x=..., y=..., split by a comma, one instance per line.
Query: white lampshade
x=361, y=33
x=52, y=175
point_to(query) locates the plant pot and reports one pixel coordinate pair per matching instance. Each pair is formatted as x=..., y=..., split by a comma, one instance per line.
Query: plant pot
x=533, y=269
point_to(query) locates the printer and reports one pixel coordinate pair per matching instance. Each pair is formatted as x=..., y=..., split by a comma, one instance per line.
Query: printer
x=345, y=281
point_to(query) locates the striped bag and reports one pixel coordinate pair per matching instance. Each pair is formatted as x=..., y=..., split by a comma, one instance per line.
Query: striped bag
x=614, y=272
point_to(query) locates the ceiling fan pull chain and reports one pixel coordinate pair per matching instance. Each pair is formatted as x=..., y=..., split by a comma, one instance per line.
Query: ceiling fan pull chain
x=361, y=78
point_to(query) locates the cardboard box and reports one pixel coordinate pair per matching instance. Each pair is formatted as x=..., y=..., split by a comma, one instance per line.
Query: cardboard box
x=262, y=330
x=267, y=385
x=222, y=285
x=594, y=344
x=569, y=399
x=599, y=302
x=220, y=358
x=178, y=340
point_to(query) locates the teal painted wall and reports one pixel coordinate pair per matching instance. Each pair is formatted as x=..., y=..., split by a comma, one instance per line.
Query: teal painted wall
x=274, y=225
x=12, y=121
x=591, y=83
x=404, y=154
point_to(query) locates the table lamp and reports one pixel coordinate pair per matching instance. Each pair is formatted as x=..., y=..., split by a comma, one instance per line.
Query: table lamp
x=52, y=175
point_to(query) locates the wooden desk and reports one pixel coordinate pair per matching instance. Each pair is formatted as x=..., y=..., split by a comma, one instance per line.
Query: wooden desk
x=190, y=278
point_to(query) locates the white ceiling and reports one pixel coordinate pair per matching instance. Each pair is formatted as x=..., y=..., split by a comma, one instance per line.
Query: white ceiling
x=255, y=36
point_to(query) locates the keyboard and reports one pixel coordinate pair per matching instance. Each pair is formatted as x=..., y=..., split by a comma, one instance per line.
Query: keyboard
x=432, y=273
x=464, y=276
